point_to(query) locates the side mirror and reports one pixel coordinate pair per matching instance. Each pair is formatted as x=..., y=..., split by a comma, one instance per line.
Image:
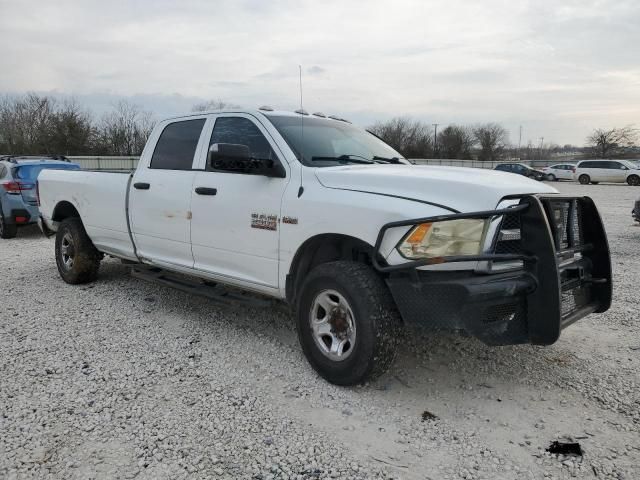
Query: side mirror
x=228, y=156
x=237, y=158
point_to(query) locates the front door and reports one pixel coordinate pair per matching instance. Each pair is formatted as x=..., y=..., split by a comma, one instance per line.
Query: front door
x=160, y=197
x=236, y=215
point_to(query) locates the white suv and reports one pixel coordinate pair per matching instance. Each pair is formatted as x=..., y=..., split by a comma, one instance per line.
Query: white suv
x=611, y=171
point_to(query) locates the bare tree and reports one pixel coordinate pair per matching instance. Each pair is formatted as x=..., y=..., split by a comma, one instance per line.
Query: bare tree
x=26, y=123
x=125, y=130
x=456, y=141
x=605, y=143
x=412, y=138
x=72, y=130
x=492, y=139
x=216, y=104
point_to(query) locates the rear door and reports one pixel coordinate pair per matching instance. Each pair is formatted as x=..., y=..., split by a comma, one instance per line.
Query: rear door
x=617, y=172
x=236, y=215
x=160, y=197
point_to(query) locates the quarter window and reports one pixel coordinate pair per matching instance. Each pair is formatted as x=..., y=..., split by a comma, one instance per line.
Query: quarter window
x=177, y=145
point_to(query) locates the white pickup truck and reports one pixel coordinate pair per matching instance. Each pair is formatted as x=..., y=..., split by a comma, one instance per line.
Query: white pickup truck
x=327, y=217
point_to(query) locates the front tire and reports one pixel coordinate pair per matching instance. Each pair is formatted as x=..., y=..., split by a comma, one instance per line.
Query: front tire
x=347, y=322
x=7, y=230
x=633, y=180
x=584, y=179
x=77, y=258
x=551, y=178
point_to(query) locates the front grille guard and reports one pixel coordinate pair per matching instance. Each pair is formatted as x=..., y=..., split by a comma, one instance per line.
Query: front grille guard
x=549, y=254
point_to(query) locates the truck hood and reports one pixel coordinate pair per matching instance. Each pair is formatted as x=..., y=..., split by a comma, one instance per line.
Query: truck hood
x=458, y=188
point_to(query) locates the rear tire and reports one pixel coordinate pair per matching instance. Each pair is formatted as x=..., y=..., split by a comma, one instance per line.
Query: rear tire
x=7, y=230
x=77, y=258
x=354, y=338
x=633, y=180
x=584, y=179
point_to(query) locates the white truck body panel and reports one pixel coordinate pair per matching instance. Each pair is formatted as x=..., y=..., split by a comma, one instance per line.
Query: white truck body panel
x=212, y=236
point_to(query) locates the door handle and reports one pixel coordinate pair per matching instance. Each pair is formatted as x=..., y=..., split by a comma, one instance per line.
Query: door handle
x=206, y=191
x=142, y=186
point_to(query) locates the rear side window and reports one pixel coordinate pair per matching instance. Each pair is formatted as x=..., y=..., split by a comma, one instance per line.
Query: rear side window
x=177, y=145
x=242, y=131
x=3, y=171
x=591, y=165
x=31, y=172
x=504, y=168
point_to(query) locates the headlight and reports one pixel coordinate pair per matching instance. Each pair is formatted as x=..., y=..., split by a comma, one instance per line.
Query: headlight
x=444, y=239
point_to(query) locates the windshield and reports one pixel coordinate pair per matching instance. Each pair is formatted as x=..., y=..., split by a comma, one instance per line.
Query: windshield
x=31, y=172
x=323, y=143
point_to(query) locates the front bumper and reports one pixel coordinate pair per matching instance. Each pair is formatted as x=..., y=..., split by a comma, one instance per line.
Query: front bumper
x=565, y=275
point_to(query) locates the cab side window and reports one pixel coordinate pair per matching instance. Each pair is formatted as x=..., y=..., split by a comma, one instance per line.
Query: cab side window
x=242, y=131
x=177, y=145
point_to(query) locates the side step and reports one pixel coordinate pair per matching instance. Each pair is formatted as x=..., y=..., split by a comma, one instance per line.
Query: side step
x=215, y=292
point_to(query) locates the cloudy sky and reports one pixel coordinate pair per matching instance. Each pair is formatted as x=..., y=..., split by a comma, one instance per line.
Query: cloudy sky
x=558, y=68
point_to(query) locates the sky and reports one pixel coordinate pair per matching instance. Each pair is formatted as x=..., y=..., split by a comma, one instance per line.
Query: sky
x=557, y=68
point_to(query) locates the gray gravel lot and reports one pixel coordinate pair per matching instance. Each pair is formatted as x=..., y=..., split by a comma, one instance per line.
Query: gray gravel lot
x=124, y=379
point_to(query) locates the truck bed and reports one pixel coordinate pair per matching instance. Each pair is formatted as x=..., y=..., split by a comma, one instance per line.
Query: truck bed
x=99, y=196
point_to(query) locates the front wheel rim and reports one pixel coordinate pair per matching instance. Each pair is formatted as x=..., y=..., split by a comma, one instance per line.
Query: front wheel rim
x=333, y=325
x=67, y=251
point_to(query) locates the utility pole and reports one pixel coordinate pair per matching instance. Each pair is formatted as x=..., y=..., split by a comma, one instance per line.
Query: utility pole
x=435, y=139
x=519, y=142
x=540, y=149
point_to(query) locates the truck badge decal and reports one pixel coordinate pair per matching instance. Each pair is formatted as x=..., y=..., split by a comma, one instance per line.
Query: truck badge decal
x=263, y=221
x=290, y=220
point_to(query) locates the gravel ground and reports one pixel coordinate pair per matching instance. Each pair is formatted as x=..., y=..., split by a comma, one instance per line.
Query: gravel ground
x=125, y=379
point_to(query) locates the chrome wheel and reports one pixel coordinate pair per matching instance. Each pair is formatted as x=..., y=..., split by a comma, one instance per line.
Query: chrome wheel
x=333, y=325
x=67, y=251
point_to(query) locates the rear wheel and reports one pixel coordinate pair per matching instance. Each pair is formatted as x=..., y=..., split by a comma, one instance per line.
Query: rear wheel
x=7, y=230
x=584, y=179
x=633, y=180
x=77, y=258
x=348, y=324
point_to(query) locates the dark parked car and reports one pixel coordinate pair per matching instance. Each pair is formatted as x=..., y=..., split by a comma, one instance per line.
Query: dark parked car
x=522, y=169
x=18, y=190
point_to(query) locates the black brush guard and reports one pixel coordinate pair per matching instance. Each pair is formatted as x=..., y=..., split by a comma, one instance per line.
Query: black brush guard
x=565, y=276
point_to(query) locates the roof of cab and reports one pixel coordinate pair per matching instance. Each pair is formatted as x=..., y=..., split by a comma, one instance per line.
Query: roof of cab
x=258, y=112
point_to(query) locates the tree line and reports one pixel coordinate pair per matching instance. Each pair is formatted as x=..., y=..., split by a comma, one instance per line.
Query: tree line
x=32, y=124
x=490, y=142
x=35, y=125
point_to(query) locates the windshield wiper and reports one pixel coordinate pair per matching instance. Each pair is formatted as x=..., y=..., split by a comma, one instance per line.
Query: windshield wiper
x=395, y=160
x=343, y=158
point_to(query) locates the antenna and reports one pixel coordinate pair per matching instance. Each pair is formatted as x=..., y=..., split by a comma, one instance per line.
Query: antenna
x=301, y=189
x=300, y=71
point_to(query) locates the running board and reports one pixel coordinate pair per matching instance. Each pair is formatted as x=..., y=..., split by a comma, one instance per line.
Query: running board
x=215, y=292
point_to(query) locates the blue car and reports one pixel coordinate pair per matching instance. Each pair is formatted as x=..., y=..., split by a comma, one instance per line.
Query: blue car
x=18, y=189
